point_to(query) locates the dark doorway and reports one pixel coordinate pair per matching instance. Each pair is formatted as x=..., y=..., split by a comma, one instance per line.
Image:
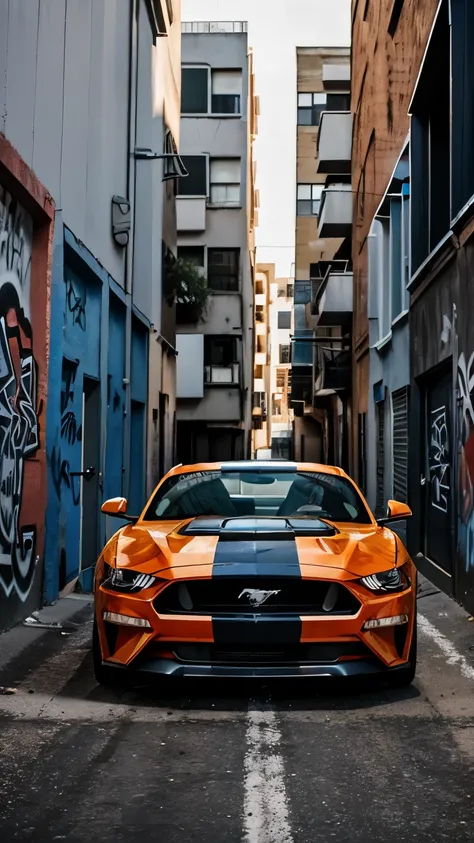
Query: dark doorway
x=437, y=478
x=162, y=433
x=90, y=472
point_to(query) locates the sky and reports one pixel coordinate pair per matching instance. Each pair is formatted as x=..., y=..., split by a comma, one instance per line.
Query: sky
x=276, y=28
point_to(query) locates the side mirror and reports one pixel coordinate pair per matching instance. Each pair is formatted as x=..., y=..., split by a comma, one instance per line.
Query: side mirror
x=396, y=511
x=117, y=508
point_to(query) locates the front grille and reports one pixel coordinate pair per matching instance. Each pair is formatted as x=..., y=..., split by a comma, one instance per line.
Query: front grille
x=239, y=596
x=248, y=654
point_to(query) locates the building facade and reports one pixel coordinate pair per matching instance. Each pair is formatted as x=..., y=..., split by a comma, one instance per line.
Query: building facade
x=91, y=98
x=388, y=44
x=320, y=350
x=216, y=208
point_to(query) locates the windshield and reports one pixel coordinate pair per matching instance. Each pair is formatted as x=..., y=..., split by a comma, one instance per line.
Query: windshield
x=251, y=493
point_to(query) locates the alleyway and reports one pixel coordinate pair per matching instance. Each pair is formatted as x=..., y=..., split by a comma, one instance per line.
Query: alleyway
x=213, y=763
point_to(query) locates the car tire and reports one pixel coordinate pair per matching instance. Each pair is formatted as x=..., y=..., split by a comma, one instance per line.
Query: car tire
x=403, y=677
x=110, y=677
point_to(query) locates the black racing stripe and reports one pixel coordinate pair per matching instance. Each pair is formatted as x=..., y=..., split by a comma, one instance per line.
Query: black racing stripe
x=247, y=559
x=256, y=558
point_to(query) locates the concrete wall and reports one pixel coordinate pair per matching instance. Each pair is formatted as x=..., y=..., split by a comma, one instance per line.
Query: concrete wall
x=26, y=234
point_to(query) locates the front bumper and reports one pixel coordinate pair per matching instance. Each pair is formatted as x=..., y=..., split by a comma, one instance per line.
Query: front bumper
x=342, y=670
x=151, y=650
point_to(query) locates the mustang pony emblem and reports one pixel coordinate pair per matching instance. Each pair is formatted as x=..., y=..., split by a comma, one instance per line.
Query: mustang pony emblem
x=257, y=596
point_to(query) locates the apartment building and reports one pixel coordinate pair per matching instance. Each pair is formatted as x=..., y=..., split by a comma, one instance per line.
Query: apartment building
x=320, y=348
x=216, y=217
x=272, y=414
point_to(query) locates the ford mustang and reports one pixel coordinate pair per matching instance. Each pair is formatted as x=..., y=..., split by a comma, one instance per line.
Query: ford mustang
x=255, y=569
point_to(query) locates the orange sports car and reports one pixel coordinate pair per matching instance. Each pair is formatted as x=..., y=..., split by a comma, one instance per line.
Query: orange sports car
x=253, y=569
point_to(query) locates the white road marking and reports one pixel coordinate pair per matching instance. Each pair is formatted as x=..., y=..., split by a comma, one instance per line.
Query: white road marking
x=265, y=799
x=448, y=649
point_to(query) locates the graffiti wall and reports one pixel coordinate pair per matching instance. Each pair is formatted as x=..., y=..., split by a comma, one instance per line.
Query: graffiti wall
x=19, y=412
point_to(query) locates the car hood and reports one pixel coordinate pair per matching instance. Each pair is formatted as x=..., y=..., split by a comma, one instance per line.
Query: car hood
x=344, y=552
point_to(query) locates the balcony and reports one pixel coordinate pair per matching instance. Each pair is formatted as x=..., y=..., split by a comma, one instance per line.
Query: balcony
x=190, y=213
x=335, y=142
x=222, y=375
x=333, y=370
x=333, y=299
x=335, y=214
x=337, y=77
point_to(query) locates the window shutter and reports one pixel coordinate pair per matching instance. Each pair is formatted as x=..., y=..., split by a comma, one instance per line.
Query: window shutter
x=227, y=82
x=400, y=444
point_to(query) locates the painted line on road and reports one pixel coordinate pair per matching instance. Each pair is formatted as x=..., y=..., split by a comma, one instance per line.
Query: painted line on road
x=265, y=798
x=453, y=657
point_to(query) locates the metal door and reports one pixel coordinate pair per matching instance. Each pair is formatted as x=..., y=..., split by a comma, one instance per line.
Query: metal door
x=90, y=473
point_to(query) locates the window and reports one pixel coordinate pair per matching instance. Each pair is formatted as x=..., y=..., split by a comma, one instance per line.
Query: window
x=225, y=182
x=192, y=254
x=194, y=90
x=284, y=319
x=290, y=291
x=196, y=183
x=260, y=313
x=282, y=380
x=227, y=493
x=220, y=351
x=308, y=199
x=223, y=269
x=284, y=354
x=206, y=92
x=226, y=91
x=310, y=108
x=277, y=404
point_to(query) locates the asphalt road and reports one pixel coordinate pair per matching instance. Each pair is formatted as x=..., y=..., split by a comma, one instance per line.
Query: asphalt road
x=208, y=763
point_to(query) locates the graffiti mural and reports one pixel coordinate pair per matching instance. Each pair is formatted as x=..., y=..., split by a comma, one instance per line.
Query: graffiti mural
x=19, y=433
x=439, y=459
x=466, y=458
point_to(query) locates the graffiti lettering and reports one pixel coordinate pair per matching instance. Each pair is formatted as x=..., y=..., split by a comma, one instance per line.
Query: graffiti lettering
x=70, y=433
x=439, y=460
x=466, y=459
x=19, y=430
x=76, y=302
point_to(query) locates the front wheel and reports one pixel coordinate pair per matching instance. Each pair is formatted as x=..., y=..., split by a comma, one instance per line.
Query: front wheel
x=110, y=677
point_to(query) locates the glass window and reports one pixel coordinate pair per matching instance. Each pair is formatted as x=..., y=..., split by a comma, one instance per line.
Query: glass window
x=284, y=319
x=225, y=181
x=284, y=353
x=223, y=269
x=195, y=184
x=194, y=90
x=192, y=254
x=310, y=108
x=276, y=493
x=338, y=102
x=226, y=91
x=308, y=199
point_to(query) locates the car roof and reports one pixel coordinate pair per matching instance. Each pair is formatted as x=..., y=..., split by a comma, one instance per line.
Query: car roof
x=258, y=465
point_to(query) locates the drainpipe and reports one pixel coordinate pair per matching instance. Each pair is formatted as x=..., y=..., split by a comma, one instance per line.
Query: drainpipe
x=131, y=183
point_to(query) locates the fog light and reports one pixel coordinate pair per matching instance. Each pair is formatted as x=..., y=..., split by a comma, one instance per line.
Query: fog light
x=126, y=620
x=396, y=620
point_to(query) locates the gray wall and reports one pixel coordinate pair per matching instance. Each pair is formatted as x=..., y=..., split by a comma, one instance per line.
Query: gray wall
x=64, y=71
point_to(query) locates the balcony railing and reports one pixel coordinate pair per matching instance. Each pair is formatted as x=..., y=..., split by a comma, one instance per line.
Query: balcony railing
x=335, y=142
x=222, y=374
x=335, y=213
x=199, y=27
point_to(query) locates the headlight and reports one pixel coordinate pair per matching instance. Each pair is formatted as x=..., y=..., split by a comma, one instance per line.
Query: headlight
x=387, y=581
x=126, y=581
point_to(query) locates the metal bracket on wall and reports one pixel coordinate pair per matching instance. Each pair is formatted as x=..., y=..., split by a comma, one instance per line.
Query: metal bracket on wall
x=175, y=168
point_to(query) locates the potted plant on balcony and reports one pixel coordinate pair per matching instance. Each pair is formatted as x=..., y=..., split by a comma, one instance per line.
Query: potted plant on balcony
x=185, y=284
